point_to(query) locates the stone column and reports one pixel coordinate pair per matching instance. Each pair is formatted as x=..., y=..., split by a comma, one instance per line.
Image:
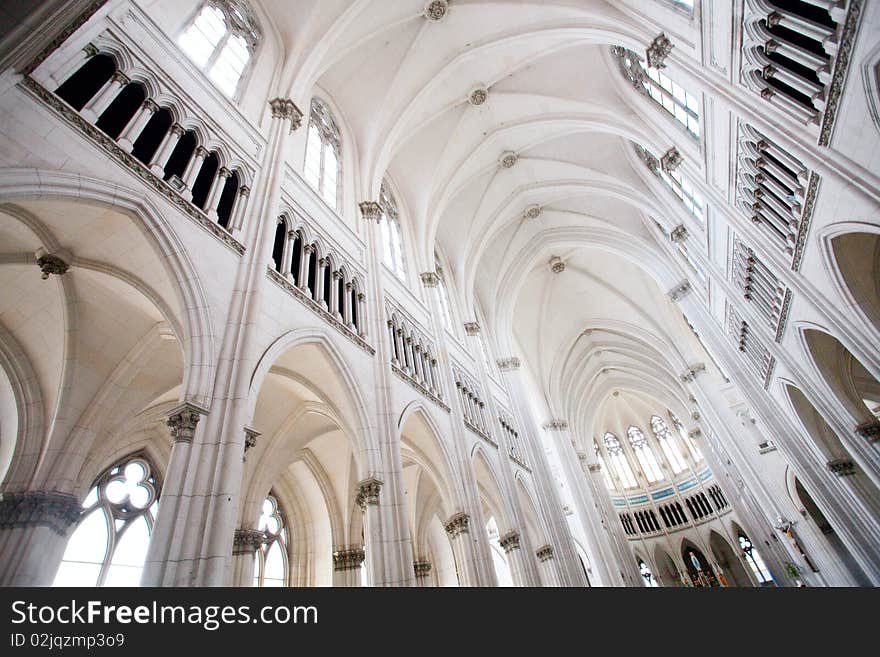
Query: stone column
x=367, y=498
x=306, y=256
x=458, y=530
x=239, y=208
x=346, y=306
x=34, y=529
x=192, y=171
x=166, y=148
x=511, y=544
x=347, y=564
x=75, y=63
x=319, y=282
x=549, y=576
x=137, y=124
x=245, y=544
x=334, y=295
x=96, y=106
x=422, y=570
x=362, y=314
x=217, y=186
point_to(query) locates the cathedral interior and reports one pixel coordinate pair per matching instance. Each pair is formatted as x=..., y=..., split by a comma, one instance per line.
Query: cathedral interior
x=456, y=293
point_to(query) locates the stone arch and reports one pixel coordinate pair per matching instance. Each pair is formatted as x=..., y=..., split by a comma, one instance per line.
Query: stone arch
x=728, y=559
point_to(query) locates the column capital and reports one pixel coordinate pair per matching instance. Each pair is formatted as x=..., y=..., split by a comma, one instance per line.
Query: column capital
x=869, y=430
x=371, y=211
x=842, y=467
x=284, y=108
x=183, y=420
x=471, y=328
x=657, y=52
x=691, y=373
x=430, y=278
x=247, y=541
x=349, y=558
x=510, y=541
x=121, y=78
x=508, y=363
x=57, y=511
x=680, y=290
x=421, y=568
x=201, y=152
x=594, y=467
x=244, y=191
x=150, y=105
x=544, y=553
x=90, y=50
x=457, y=524
x=555, y=425
x=250, y=440
x=223, y=172
x=368, y=492
x=177, y=130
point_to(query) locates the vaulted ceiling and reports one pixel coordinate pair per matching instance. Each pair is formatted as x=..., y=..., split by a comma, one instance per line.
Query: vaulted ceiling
x=556, y=102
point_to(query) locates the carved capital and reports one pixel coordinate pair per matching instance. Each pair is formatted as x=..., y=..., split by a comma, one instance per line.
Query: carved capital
x=695, y=433
x=371, y=211
x=471, y=328
x=508, y=364
x=284, y=108
x=201, y=152
x=244, y=191
x=250, y=440
x=349, y=558
x=555, y=425
x=457, y=524
x=247, y=541
x=671, y=160
x=183, y=421
x=544, y=553
x=681, y=290
x=842, y=467
x=121, y=78
x=90, y=50
x=691, y=373
x=594, y=468
x=57, y=511
x=224, y=173
x=657, y=52
x=421, y=568
x=150, y=106
x=510, y=541
x=869, y=430
x=177, y=130
x=430, y=278
x=368, y=492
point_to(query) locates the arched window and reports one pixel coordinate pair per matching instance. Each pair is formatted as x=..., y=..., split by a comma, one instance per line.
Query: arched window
x=270, y=566
x=647, y=574
x=754, y=559
x=392, y=254
x=618, y=458
x=110, y=543
x=221, y=40
x=444, y=296
x=671, y=96
x=644, y=454
x=609, y=483
x=691, y=445
x=323, y=150
x=668, y=444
